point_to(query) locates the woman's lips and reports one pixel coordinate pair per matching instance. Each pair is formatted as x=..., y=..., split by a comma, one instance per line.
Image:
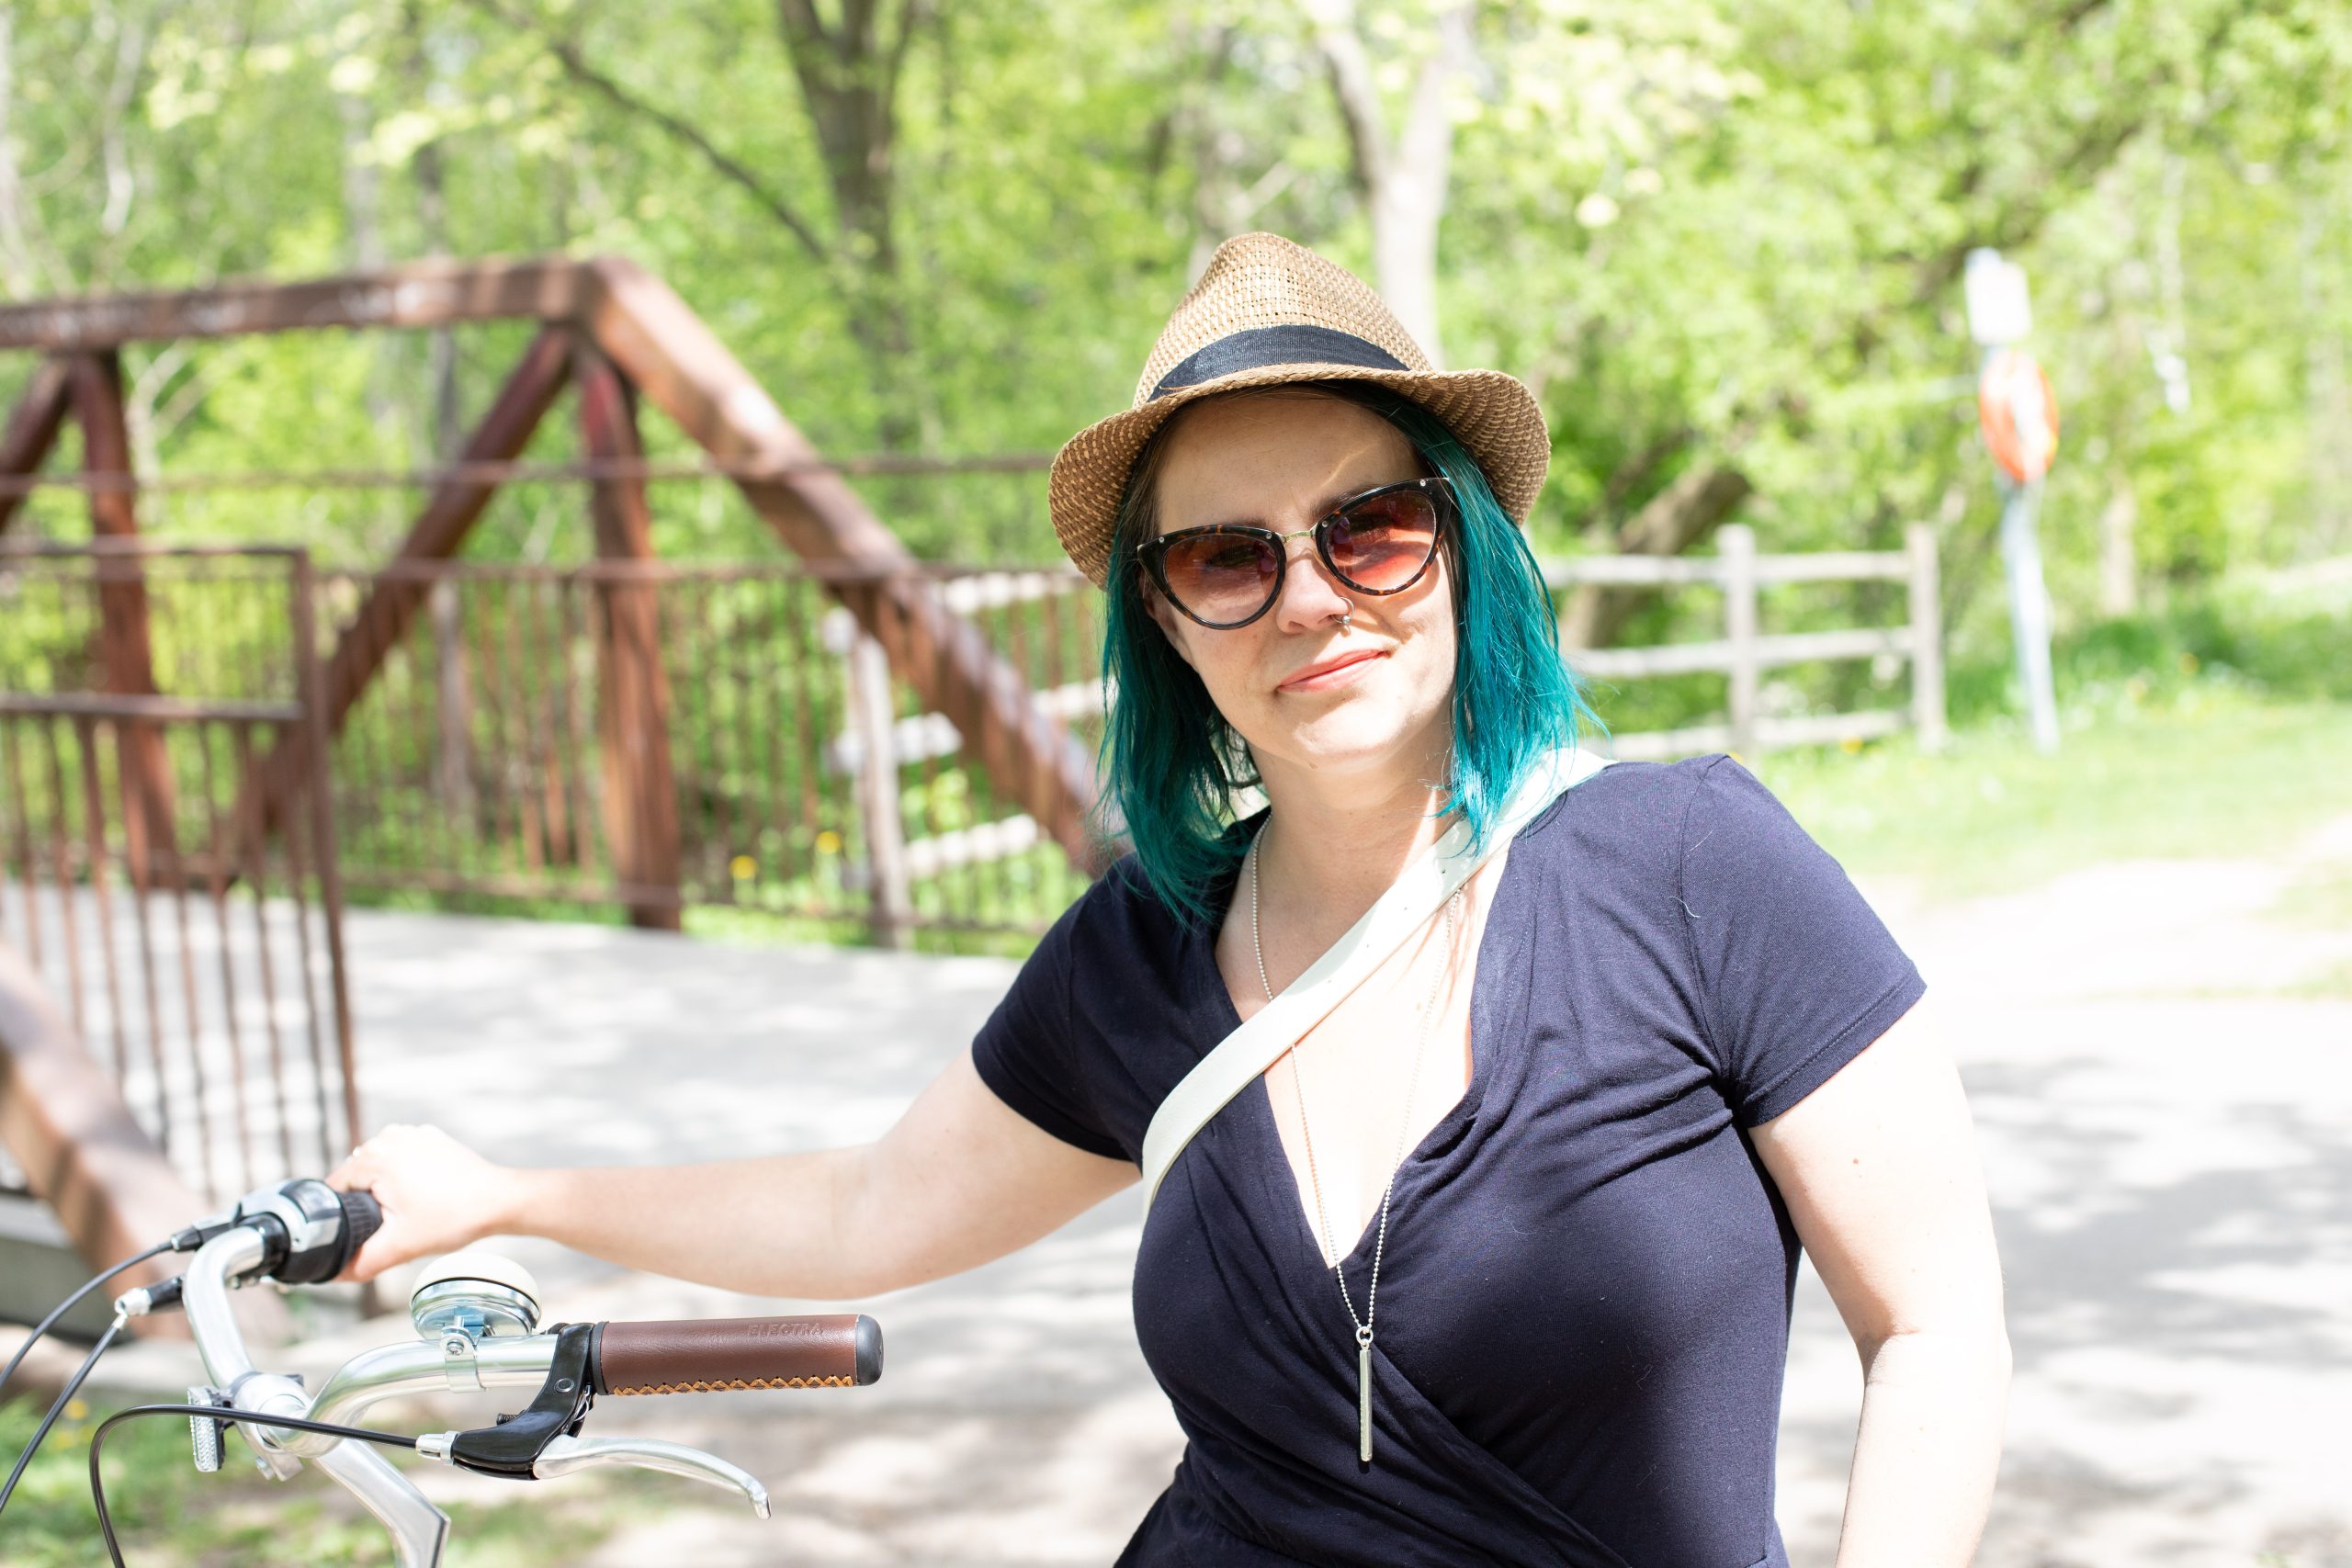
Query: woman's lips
x=1330, y=672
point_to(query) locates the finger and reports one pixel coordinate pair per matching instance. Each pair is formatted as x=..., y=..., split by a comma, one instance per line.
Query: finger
x=372, y=1258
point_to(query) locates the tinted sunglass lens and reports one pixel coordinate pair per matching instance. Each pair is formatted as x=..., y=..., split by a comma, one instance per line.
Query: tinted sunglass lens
x=1380, y=545
x=1221, y=577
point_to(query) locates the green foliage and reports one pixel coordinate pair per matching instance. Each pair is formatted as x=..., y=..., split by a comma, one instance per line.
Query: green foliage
x=1706, y=233
x=2271, y=646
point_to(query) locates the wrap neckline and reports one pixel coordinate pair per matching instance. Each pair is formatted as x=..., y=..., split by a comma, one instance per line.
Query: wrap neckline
x=1268, y=1160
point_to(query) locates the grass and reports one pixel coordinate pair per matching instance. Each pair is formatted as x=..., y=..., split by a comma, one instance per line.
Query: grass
x=2214, y=772
x=2321, y=899
x=2333, y=984
x=166, y=1514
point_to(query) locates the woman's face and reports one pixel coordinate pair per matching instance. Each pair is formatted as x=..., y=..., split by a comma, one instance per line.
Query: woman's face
x=1305, y=694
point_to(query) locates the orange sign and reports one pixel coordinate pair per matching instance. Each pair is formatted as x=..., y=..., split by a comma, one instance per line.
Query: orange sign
x=2019, y=415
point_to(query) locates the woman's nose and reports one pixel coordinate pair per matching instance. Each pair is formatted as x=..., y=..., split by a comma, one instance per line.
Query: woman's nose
x=1310, y=595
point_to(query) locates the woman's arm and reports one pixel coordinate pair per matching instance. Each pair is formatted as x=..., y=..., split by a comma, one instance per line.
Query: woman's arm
x=962, y=1179
x=1880, y=1171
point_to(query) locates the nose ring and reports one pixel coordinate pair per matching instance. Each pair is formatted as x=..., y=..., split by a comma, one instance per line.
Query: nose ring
x=1346, y=611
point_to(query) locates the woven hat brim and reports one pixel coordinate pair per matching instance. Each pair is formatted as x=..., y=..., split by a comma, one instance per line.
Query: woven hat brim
x=1490, y=413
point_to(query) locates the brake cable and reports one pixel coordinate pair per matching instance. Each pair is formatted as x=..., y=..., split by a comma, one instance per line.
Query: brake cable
x=65, y=1398
x=67, y=1305
x=227, y=1417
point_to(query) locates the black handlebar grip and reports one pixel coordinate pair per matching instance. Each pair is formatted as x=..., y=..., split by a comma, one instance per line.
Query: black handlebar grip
x=362, y=1217
x=705, y=1356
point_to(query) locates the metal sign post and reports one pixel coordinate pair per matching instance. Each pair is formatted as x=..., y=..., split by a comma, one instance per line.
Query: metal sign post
x=2029, y=607
x=2019, y=416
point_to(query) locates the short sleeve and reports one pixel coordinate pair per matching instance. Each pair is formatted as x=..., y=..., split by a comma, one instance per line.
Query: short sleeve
x=1027, y=1050
x=1797, y=973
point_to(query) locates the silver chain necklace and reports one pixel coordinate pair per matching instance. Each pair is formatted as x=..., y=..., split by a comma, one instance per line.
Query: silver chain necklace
x=1324, y=1241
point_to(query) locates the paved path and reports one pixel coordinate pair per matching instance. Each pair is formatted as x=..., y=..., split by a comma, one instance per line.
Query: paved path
x=2167, y=1123
x=2167, y=1130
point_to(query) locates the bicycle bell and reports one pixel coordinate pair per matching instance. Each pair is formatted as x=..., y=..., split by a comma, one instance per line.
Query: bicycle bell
x=483, y=1296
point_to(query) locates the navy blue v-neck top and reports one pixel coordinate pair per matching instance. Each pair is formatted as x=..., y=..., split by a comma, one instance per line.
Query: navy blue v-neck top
x=1584, y=1304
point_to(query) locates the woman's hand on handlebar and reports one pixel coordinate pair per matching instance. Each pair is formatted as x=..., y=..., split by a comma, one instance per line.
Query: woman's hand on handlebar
x=437, y=1195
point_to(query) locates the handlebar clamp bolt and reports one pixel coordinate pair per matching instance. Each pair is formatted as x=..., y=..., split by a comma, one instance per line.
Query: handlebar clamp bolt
x=458, y=1363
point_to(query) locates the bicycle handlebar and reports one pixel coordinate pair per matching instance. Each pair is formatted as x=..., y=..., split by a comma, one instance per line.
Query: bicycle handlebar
x=295, y=1231
x=705, y=1356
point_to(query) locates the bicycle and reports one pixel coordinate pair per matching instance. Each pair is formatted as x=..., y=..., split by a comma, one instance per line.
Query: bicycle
x=477, y=1315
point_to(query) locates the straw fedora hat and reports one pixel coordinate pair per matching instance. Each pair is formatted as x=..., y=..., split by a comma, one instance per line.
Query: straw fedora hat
x=1267, y=312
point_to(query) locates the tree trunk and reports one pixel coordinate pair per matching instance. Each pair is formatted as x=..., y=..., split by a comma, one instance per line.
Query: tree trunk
x=1403, y=180
x=21, y=271
x=2118, y=555
x=848, y=72
x=2327, y=388
x=433, y=218
x=363, y=219
x=849, y=84
x=1678, y=517
x=1226, y=202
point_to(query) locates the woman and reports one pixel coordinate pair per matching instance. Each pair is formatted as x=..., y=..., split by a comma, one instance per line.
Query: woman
x=1652, y=1045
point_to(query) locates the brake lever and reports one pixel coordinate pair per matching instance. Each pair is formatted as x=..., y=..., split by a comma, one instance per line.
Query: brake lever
x=567, y=1454
x=543, y=1441
x=512, y=1447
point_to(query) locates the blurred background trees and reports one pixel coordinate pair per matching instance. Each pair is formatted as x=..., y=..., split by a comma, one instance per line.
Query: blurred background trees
x=1723, y=241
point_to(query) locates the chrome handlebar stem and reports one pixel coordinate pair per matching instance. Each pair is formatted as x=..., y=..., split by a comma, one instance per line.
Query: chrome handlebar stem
x=204, y=1296
x=418, y=1529
x=388, y=1371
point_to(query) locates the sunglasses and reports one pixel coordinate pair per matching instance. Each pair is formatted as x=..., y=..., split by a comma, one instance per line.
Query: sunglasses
x=1230, y=574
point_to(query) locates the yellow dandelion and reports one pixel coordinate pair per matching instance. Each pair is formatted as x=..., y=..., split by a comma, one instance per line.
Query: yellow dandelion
x=829, y=842
x=741, y=867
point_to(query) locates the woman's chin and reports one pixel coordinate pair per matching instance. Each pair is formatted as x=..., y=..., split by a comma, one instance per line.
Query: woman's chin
x=1353, y=737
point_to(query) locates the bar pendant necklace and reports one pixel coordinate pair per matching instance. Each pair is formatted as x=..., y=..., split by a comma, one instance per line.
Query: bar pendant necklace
x=1380, y=1242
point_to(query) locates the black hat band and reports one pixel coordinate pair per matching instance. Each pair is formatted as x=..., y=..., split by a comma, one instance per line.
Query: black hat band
x=1258, y=347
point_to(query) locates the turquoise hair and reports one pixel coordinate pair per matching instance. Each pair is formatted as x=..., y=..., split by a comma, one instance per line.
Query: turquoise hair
x=1171, y=764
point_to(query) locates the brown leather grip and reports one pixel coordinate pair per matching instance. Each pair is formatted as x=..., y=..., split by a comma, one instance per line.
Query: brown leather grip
x=707, y=1355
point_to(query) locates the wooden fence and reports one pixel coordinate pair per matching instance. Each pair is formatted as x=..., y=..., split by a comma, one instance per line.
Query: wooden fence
x=1745, y=651
x=796, y=771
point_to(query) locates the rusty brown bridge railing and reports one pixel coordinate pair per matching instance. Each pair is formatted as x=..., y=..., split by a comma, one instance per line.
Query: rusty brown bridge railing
x=799, y=772
x=174, y=1018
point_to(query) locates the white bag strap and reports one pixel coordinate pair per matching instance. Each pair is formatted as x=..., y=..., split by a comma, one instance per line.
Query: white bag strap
x=1419, y=893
